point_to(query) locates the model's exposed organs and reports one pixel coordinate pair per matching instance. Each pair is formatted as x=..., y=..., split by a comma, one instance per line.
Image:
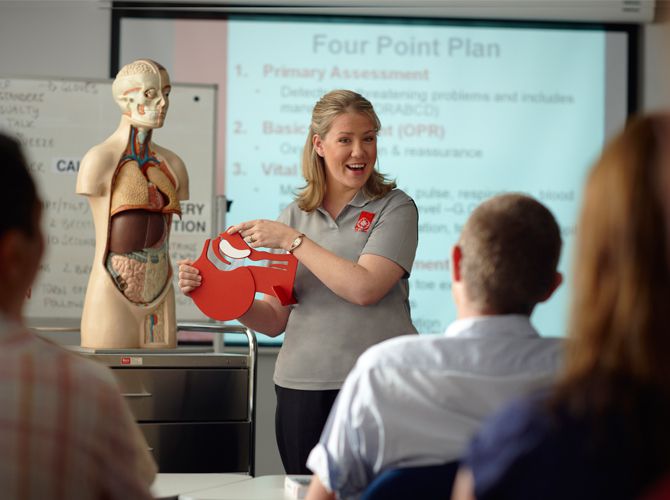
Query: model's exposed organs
x=142, y=203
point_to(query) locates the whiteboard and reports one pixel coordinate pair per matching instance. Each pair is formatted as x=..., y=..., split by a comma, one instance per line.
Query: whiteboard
x=57, y=121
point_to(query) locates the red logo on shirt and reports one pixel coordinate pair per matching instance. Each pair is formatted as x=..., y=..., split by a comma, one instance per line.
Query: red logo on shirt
x=364, y=222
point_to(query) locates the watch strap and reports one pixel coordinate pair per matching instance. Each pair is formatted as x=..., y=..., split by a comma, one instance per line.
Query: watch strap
x=296, y=243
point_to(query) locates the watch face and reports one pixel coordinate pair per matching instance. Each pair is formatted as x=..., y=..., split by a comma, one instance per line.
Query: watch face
x=296, y=243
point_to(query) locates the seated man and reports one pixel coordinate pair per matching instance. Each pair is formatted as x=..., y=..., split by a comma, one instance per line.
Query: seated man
x=416, y=401
x=65, y=431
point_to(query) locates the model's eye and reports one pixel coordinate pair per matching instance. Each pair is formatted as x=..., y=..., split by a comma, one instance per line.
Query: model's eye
x=371, y=138
x=344, y=140
x=150, y=93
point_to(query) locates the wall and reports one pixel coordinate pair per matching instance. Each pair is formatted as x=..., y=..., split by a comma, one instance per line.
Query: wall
x=655, y=70
x=72, y=39
x=54, y=38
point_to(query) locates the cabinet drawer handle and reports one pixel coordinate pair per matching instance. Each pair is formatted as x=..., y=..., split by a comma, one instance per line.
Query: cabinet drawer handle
x=137, y=394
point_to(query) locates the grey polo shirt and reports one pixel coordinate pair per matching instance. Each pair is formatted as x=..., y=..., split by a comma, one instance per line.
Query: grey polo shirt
x=325, y=334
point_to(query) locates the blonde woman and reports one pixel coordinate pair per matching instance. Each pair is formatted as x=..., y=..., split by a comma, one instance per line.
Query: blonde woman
x=355, y=236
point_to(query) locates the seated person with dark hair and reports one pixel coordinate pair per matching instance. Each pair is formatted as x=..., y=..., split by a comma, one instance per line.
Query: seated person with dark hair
x=416, y=401
x=66, y=432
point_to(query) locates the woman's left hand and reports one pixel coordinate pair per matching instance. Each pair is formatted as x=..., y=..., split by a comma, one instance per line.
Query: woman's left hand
x=265, y=233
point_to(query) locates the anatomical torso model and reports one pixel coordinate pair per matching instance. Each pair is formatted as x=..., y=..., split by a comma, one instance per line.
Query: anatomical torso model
x=133, y=187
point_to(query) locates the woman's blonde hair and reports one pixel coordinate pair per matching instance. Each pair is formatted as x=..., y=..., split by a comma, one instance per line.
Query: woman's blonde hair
x=620, y=324
x=329, y=107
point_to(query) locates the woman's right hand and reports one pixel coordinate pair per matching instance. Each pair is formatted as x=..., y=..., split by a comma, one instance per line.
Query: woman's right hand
x=189, y=276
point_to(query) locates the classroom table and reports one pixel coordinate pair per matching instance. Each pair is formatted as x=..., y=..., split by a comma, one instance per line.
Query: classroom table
x=257, y=488
x=171, y=486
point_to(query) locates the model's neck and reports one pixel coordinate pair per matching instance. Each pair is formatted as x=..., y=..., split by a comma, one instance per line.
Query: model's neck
x=142, y=138
x=142, y=135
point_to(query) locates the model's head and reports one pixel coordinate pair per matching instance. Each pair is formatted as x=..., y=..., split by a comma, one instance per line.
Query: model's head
x=506, y=258
x=141, y=89
x=621, y=313
x=341, y=146
x=21, y=240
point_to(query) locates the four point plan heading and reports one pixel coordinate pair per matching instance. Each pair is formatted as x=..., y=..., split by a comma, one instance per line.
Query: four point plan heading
x=454, y=46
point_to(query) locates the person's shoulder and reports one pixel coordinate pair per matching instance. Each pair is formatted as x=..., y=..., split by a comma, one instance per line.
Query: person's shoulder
x=101, y=157
x=397, y=197
x=538, y=353
x=524, y=421
x=396, y=203
x=103, y=151
x=173, y=158
x=174, y=161
x=400, y=351
x=291, y=213
x=106, y=154
x=82, y=369
x=517, y=434
x=525, y=409
x=97, y=167
x=437, y=352
x=292, y=207
x=548, y=346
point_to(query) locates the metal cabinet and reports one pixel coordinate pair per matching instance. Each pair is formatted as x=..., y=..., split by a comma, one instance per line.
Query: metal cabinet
x=196, y=409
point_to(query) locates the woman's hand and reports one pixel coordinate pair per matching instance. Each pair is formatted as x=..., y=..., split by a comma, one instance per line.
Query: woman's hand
x=265, y=233
x=189, y=276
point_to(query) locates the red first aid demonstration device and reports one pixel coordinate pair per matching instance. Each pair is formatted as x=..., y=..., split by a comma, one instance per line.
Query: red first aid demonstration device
x=226, y=294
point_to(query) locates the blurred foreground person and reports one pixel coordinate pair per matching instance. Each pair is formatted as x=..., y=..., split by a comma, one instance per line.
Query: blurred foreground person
x=65, y=431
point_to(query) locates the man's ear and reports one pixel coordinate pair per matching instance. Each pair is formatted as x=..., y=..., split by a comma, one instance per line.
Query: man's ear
x=318, y=144
x=558, y=279
x=456, y=258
